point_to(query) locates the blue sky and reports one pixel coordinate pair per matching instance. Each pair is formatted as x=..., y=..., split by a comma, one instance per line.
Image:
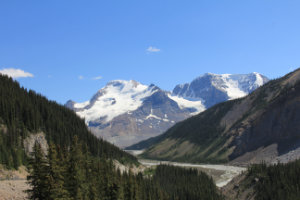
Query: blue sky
x=73, y=48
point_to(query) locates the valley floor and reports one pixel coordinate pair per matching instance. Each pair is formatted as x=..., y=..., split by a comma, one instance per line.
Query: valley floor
x=222, y=174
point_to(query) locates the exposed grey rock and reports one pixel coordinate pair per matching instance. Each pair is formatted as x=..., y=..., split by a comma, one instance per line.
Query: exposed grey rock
x=32, y=139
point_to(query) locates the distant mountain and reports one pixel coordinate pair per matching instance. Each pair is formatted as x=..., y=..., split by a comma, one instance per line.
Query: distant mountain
x=215, y=88
x=126, y=112
x=261, y=126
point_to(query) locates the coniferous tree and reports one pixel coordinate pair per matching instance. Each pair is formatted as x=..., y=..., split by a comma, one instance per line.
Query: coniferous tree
x=76, y=172
x=56, y=178
x=276, y=182
x=78, y=175
x=38, y=178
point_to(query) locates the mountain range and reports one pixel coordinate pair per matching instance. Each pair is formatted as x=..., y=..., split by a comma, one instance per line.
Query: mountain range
x=127, y=112
x=263, y=126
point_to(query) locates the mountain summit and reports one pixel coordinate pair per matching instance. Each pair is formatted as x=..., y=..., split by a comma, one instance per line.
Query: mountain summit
x=215, y=88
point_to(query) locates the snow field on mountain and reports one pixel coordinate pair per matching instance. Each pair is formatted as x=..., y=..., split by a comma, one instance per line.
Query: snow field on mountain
x=184, y=103
x=117, y=98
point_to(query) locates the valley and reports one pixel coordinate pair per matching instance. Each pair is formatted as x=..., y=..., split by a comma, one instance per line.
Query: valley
x=221, y=174
x=13, y=188
x=212, y=136
x=149, y=100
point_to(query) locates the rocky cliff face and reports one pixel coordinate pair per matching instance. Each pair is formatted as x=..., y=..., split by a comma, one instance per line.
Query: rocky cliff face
x=30, y=141
x=262, y=126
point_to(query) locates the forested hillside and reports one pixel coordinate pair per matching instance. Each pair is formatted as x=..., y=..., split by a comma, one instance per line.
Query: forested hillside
x=180, y=183
x=24, y=112
x=276, y=182
x=73, y=174
x=266, y=182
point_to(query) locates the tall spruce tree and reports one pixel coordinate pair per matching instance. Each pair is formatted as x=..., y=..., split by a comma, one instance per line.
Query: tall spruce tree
x=38, y=177
x=76, y=172
x=56, y=178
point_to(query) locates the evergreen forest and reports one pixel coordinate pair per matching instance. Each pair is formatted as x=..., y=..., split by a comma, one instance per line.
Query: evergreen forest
x=74, y=174
x=275, y=182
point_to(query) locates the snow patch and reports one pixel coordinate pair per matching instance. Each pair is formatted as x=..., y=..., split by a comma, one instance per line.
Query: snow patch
x=230, y=86
x=259, y=80
x=184, y=103
x=140, y=120
x=81, y=105
x=151, y=115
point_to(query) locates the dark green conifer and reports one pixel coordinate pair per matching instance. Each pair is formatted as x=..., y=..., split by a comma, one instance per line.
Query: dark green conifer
x=76, y=172
x=57, y=188
x=38, y=177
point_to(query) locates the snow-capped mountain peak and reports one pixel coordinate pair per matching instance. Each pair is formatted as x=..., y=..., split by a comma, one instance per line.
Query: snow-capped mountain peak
x=116, y=98
x=214, y=88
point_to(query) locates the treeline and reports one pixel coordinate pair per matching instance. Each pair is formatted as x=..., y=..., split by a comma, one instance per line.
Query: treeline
x=74, y=174
x=276, y=182
x=25, y=112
